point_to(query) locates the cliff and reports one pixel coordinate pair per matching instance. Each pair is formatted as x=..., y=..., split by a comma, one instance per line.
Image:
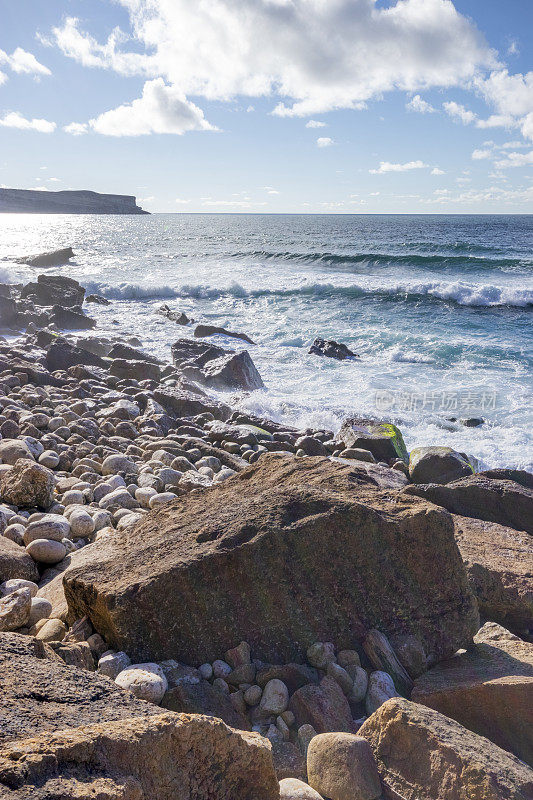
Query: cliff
x=28, y=201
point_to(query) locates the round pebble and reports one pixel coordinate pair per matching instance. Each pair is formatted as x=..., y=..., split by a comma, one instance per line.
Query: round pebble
x=146, y=681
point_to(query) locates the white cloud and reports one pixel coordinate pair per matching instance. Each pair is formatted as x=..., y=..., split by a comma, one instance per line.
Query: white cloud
x=437, y=171
x=478, y=155
x=160, y=109
x=15, y=120
x=324, y=141
x=3, y=78
x=513, y=49
x=386, y=166
x=76, y=128
x=181, y=201
x=512, y=98
x=55, y=180
x=314, y=55
x=417, y=104
x=459, y=112
x=22, y=62
x=315, y=123
x=270, y=190
x=515, y=160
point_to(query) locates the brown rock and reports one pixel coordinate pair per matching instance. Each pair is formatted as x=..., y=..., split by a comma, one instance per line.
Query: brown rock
x=499, y=563
x=27, y=485
x=504, y=502
x=383, y=439
x=488, y=689
x=198, y=575
x=424, y=755
x=288, y=760
x=75, y=654
x=293, y=675
x=163, y=757
x=323, y=706
x=342, y=766
x=15, y=562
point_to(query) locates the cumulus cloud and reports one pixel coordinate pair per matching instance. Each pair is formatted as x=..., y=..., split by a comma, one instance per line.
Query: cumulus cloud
x=512, y=98
x=315, y=123
x=160, y=109
x=76, y=128
x=459, y=112
x=22, y=62
x=386, y=166
x=15, y=120
x=437, y=171
x=324, y=141
x=421, y=106
x=315, y=56
x=515, y=160
x=480, y=154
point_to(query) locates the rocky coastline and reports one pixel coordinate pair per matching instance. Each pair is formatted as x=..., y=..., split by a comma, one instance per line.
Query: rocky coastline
x=197, y=603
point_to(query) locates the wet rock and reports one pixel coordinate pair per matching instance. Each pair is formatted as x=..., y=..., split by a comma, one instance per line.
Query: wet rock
x=69, y=319
x=179, y=317
x=50, y=288
x=50, y=259
x=331, y=349
x=61, y=355
x=231, y=371
x=202, y=331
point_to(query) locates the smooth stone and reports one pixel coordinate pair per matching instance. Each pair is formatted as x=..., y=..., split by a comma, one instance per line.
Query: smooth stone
x=50, y=526
x=18, y=583
x=341, y=766
x=81, y=524
x=275, y=698
x=293, y=789
x=380, y=689
x=53, y=630
x=320, y=654
x=49, y=459
x=112, y=664
x=161, y=499
x=146, y=681
x=46, y=551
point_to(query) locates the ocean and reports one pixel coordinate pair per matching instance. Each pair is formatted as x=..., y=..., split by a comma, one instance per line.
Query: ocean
x=439, y=309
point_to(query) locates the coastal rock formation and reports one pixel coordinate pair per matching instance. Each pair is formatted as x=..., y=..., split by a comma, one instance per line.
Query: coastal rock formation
x=215, y=367
x=211, y=330
x=502, y=501
x=331, y=349
x=50, y=288
x=488, y=689
x=499, y=563
x=30, y=201
x=289, y=523
x=382, y=439
x=421, y=753
x=51, y=259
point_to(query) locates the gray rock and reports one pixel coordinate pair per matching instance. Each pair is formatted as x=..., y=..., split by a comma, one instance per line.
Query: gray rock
x=15, y=610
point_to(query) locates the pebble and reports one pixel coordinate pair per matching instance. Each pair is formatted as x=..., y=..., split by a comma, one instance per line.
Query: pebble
x=380, y=689
x=340, y=675
x=53, y=630
x=221, y=669
x=146, y=681
x=41, y=608
x=320, y=654
x=18, y=583
x=161, y=499
x=275, y=698
x=294, y=789
x=252, y=695
x=360, y=684
x=81, y=524
x=50, y=526
x=206, y=671
x=49, y=459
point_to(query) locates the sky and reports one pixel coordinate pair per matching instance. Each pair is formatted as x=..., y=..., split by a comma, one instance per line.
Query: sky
x=272, y=106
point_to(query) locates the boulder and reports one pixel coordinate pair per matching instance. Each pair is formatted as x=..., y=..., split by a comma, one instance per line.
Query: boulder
x=187, y=352
x=182, y=403
x=136, y=370
x=232, y=371
x=127, y=353
x=15, y=609
x=197, y=576
x=331, y=349
x=518, y=475
x=50, y=259
x=211, y=330
x=323, y=706
x=424, y=755
x=342, y=766
x=293, y=789
x=13, y=449
x=8, y=311
x=62, y=355
x=437, y=465
x=488, y=689
x=174, y=316
x=383, y=439
x=49, y=288
x=69, y=319
x=499, y=563
x=27, y=485
x=15, y=562
x=80, y=733
x=502, y=501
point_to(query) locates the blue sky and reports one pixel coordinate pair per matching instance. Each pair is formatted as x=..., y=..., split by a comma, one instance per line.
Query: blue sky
x=346, y=106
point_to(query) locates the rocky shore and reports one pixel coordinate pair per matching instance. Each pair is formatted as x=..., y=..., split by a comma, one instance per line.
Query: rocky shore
x=196, y=603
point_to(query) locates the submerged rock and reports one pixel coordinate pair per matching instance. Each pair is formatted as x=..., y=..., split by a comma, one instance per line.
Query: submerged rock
x=50, y=259
x=211, y=330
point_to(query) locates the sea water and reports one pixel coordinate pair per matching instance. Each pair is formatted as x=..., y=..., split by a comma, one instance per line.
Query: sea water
x=439, y=309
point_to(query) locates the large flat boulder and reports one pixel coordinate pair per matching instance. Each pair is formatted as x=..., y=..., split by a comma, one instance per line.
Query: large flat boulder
x=424, y=755
x=502, y=501
x=66, y=732
x=286, y=553
x=164, y=757
x=499, y=562
x=488, y=689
